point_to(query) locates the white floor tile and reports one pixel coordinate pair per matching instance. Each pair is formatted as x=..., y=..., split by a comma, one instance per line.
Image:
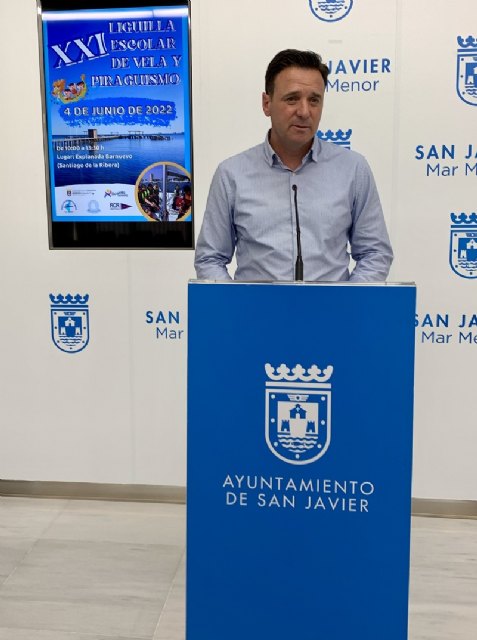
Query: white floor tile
x=94, y=570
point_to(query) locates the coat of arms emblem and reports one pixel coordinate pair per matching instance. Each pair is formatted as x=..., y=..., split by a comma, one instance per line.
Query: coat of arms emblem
x=298, y=412
x=467, y=69
x=340, y=138
x=463, y=245
x=70, y=322
x=331, y=10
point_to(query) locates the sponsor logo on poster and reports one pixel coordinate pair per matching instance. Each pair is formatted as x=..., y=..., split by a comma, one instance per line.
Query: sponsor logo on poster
x=70, y=322
x=93, y=206
x=298, y=412
x=463, y=245
x=119, y=206
x=340, y=137
x=330, y=10
x=80, y=192
x=69, y=206
x=467, y=69
x=109, y=193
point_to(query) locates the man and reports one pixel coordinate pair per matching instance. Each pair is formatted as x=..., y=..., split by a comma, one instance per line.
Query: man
x=184, y=211
x=250, y=209
x=147, y=201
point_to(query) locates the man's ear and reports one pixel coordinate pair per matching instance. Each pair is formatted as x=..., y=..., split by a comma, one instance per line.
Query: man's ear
x=266, y=103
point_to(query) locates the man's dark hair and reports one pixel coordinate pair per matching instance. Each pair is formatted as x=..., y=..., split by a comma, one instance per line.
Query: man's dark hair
x=293, y=58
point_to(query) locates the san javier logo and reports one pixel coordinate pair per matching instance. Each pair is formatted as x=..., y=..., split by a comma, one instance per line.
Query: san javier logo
x=356, y=75
x=298, y=432
x=463, y=245
x=432, y=328
x=298, y=412
x=70, y=322
x=340, y=137
x=467, y=69
x=306, y=493
x=167, y=324
x=330, y=10
x=437, y=157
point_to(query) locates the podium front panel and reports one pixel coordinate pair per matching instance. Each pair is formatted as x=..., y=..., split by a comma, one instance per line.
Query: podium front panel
x=300, y=403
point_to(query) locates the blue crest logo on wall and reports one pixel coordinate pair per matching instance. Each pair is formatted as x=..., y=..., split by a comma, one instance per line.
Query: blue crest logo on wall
x=331, y=10
x=298, y=412
x=70, y=322
x=463, y=245
x=467, y=69
x=340, y=137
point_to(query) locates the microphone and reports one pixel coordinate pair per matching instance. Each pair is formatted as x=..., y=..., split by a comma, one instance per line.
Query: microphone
x=299, y=259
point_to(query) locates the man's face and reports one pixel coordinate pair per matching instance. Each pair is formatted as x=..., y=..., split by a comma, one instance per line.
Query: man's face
x=294, y=107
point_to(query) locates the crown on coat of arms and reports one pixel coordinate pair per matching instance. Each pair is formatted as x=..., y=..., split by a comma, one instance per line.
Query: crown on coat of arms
x=463, y=218
x=467, y=43
x=313, y=374
x=69, y=299
x=338, y=136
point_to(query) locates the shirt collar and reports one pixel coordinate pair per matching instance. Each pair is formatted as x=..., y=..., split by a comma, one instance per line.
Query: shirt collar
x=272, y=157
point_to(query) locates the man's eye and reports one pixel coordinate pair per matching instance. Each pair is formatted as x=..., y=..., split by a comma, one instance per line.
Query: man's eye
x=291, y=99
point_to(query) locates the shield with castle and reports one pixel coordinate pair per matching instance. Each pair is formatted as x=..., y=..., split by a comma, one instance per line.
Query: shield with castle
x=298, y=412
x=463, y=245
x=467, y=69
x=70, y=322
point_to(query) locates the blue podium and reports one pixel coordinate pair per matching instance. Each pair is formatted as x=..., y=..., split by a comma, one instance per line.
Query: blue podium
x=300, y=402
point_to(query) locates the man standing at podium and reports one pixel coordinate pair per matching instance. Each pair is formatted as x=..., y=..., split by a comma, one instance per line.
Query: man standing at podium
x=293, y=181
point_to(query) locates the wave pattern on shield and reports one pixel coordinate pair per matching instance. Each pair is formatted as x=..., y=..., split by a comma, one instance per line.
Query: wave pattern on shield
x=330, y=10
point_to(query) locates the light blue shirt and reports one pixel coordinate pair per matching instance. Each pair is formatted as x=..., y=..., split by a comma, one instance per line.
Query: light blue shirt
x=250, y=211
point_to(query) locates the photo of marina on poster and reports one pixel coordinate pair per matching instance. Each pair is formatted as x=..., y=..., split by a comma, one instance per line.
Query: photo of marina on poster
x=118, y=114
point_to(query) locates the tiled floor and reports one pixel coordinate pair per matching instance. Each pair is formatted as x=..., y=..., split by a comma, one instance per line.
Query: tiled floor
x=90, y=570
x=443, y=594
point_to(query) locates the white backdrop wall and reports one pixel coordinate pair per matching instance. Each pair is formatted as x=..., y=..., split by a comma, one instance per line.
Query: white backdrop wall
x=115, y=412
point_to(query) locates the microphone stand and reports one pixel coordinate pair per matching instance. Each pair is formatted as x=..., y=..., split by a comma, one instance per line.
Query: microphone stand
x=299, y=258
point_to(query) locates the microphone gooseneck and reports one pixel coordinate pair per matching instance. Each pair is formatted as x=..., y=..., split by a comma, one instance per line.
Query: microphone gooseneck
x=299, y=258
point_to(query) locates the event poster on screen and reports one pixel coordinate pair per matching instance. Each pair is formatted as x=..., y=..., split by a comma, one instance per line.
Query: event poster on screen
x=118, y=114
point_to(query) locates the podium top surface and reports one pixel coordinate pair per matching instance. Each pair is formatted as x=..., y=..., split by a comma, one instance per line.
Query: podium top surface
x=301, y=284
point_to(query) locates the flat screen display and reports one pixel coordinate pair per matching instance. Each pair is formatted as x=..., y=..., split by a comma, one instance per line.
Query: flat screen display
x=116, y=82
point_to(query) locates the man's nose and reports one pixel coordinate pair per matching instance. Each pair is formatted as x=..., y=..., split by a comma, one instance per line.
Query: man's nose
x=303, y=109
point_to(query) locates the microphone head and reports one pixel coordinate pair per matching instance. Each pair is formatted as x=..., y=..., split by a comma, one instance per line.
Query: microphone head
x=294, y=187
